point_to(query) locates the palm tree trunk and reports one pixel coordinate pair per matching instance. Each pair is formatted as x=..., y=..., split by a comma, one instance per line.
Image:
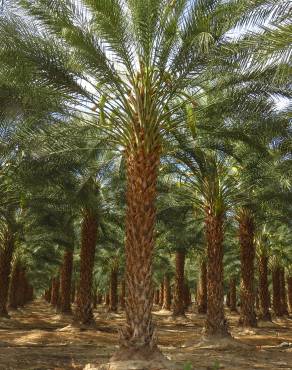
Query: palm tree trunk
x=283, y=292
x=73, y=292
x=83, y=313
x=138, y=332
x=123, y=294
x=156, y=297
x=48, y=292
x=166, y=293
x=99, y=298
x=264, y=288
x=232, y=290
x=257, y=300
x=47, y=295
x=187, y=295
x=6, y=252
x=113, y=301
x=107, y=299
x=21, y=287
x=247, y=255
x=289, y=285
x=277, y=305
x=178, y=304
x=161, y=294
x=202, y=291
x=216, y=324
x=66, y=281
x=55, y=291
x=14, y=283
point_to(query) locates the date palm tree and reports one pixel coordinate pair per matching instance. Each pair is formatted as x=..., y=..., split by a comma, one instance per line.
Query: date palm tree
x=212, y=190
x=177, y=234
x=68, y=191
x=231, y=263
x=122, y=64
x=10, y=209
x=263, y=252
x=247, y=257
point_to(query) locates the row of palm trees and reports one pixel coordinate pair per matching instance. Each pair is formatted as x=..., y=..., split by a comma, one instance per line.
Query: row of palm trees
x=175, y=288
x=109, y=105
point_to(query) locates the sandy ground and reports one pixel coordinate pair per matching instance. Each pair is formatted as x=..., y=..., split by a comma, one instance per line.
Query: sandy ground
x=37, y=338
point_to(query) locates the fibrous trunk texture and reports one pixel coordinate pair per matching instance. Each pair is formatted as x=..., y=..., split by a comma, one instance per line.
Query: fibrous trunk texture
x=46, y=295
x=48, y=292
x=55, y=291
x=113, y=301
x=66, y=281
x=166, y=293
x=83, y=312
x=6, y=252
x=187, y=295
x=14, y=283
x=284, y=304
x=289, y=286
x=277, y=304
x=156, y=297
x=20, y=293
x=25, y=288
x=161, y=294
x=107, y=299
x=99, y=298
x=202, y=291
x=179, y=292
x=257, y=300
x=232, y=292
x=264, y=288
x=123, y=294
x=142, y=169
x=247, y=256
x=73, y=292
x=216, y=324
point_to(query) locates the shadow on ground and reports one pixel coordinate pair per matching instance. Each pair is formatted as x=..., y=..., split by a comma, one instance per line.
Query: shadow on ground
x=36, y=338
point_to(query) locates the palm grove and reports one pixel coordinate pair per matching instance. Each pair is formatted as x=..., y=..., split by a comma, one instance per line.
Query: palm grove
x=144, y=159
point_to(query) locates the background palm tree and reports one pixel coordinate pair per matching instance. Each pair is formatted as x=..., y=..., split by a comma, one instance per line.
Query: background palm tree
x=142, y=74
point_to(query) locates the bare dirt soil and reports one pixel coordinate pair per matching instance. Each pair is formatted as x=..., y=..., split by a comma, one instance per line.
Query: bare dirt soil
x=36, y=338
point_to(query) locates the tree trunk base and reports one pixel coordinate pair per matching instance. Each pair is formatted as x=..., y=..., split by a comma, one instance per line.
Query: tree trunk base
x=144, y=353
x=220, y=330
x=85, y=321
